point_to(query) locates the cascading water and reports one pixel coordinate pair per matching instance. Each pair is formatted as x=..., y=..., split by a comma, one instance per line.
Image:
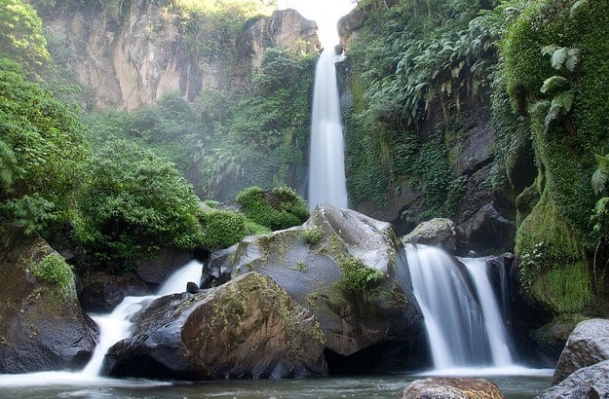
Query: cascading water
x=115, y=326
x=327, y=181
x=462, y=331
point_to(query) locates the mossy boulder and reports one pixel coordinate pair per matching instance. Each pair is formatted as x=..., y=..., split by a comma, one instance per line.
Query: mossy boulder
x=247, y=328
x=42, y=326
x=341, y=265
x=453, y=388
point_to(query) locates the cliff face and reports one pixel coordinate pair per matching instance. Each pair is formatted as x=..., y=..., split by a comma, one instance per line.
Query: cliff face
x=128, y=64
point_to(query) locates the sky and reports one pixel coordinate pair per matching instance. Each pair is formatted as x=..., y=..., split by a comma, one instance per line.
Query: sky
x=325, y=12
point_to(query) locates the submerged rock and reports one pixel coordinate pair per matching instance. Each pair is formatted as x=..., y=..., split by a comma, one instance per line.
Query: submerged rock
x=452, y=388
x=314, y=264
x=42, y=326
x=588, y=344
x=248, y=328
x=588, y=383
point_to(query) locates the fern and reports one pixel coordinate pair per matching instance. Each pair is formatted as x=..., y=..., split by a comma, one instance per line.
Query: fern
x=562, y=57
x=577, y=7
x=560, y=106
x=600, y=177
x=554, y=84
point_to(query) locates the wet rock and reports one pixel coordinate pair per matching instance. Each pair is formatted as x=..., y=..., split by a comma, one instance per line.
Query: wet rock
x=247, y=328
x=587, y=383
x=42, y=326
x=439, y=232
x=101, y=292
x=310, y=271
x=588, y=344
x=192, y=288
x=452, y=388
x=157, y=269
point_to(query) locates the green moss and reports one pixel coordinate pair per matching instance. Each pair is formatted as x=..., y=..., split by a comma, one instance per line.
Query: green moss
x=53, y=270
x=553, y=266
x=280, y=208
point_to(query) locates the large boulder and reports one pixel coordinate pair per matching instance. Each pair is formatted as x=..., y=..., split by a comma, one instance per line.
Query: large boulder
x=452, y=388
x=588, y=383
x=439, y=232
x=313, y=263
x=156, y=270
x=588, y=344
x=101, y=292
x=247, y=328
x=42, y=325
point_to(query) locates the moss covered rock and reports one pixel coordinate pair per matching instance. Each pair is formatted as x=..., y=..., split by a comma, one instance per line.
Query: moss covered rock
x=248, y=328
x=42, y=326
x=342, y=266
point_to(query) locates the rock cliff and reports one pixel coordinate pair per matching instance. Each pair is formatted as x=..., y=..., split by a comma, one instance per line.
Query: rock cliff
x=129, y=61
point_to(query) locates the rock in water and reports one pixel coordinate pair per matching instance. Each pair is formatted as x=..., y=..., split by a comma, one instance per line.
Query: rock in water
x=452, y=388
x=587, y=383
x=588, y=344
x=42, y=326
x=247, y=328
x=192, y=288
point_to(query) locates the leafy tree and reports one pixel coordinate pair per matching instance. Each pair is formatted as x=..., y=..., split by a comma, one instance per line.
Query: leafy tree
x=134, y=204
x=42, y=151
x=22, y=36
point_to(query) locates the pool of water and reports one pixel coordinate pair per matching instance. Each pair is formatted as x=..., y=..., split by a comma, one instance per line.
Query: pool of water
x=72, y=386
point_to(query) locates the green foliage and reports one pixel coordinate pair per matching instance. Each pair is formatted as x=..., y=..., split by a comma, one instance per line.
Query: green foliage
x=358, y=279
x=313, y=235
x=277, y=209
x=134, y=204
x=22, y=36
x=221, y=229
x=54, y=270
x=42, y=151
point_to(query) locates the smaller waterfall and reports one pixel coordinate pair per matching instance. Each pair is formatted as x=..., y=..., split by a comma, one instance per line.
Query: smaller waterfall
x=115, y=326
x=462, y=317
x=327, y=182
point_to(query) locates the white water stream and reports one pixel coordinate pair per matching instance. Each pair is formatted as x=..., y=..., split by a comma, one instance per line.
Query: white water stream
x=327, y=182
x=462, y=331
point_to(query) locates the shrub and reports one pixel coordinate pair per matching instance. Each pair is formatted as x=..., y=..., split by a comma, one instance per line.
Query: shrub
x=312, y=236
x=53, y=270
x=221, y=229
x=280, y=208
x=357, y=277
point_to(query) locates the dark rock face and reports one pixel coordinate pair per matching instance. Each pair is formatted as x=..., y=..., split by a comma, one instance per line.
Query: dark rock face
x=101, y=292
x=452, y=388
x=247, y=328
x=588, y=383
x=588, y=344
x=42, y=326
x=310, y=273
x=156, y=270
x=439, y=232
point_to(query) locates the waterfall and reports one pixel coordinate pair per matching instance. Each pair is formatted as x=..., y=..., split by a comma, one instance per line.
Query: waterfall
x=462, y=318
x=327, y=181
x=115, y=326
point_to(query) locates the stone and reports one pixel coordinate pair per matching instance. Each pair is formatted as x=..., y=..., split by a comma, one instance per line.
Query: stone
x=42, y=326
x=157, y=269
x=101, y=292
x=439, y=232
x=587, y=383
x=588, y=344
x=192, y=287
x=386, y=317
x=452, y=388
x=247, y=328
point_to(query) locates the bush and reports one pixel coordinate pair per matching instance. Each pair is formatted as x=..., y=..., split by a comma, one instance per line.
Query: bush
x=312, y=236
x=281, y=208
x=221, y=229
x=134, y=204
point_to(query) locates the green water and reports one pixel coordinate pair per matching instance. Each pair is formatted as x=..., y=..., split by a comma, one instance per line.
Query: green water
x=380, y=387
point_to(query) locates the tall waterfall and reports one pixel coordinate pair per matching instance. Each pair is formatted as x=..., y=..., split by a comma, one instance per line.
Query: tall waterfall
x=327, y=181
x=462, y=318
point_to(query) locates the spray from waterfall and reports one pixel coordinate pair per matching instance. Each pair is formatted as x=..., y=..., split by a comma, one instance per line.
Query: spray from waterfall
x=327, y=182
